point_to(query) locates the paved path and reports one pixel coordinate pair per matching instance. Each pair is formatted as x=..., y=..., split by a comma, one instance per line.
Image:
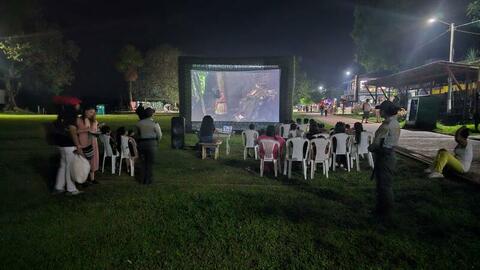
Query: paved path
x=422, y=142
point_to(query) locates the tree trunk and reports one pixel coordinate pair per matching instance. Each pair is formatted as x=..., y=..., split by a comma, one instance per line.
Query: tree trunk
x=11, y=93
x=130, y=97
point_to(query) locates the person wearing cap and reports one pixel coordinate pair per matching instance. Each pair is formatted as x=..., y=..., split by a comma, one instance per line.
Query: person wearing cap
x=383, y=148
x=149, y=134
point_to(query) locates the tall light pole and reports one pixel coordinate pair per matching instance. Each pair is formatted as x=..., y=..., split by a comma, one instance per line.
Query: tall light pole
x=450, y=59
x=452, y=29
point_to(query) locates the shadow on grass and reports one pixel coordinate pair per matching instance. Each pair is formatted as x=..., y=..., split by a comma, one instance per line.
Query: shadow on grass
x=46, y=168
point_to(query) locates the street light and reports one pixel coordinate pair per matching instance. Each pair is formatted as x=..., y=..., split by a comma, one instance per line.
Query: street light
x=452, y=29
x=348, y=72
x=320, y=87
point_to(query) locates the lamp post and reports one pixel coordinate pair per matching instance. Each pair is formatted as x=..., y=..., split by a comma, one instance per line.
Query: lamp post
x=452, y=29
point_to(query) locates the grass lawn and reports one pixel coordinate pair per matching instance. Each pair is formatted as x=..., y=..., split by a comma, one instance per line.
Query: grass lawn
x=219, y=214
x=450, y=130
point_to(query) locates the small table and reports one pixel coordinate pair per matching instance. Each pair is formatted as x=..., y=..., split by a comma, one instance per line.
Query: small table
x=226, y=137
x=215, y=145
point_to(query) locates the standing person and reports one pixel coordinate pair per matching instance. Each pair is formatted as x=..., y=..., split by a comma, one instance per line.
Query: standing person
x=66, y=139
x=377, y=111
x=87, y=129
x=149, y=134
x=460, y=162
x=383, y=149
x=366, y=108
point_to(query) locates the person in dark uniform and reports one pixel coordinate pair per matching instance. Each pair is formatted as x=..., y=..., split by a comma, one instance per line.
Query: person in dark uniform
x=383, y=148
x=149, y=134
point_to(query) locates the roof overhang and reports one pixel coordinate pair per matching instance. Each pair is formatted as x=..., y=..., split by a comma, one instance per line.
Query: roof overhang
x=437, y=72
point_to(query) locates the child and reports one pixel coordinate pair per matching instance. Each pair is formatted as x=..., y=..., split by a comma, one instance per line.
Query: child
x=132, y=144
x=122, y=149
x=348, y=129
x=357, y=131
x=251, y=133
x=106, y=131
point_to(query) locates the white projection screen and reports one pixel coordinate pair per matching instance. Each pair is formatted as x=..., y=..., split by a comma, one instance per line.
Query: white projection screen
x=236, y=96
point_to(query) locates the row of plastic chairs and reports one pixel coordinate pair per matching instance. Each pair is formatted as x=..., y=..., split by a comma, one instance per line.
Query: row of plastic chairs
x=123, y=155
x=311, y=152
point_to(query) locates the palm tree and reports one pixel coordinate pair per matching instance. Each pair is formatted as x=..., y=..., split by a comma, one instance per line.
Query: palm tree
x=129, y=61
x=472, y=55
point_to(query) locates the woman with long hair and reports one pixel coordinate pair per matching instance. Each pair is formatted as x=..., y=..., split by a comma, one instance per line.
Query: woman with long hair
x=87, y=129
x=358, y=129
x=207, y=128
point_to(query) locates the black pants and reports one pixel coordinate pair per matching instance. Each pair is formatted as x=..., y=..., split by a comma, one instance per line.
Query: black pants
x=366, y=115
x=147, y=150
x=385, y=163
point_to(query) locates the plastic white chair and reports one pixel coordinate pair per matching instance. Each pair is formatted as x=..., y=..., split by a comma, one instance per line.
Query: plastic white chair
x=107, y=151
x=343, y=147
x=295, y=152
x=321, y=135
x=361, y=149
x=284, y=130
x=125, y=154
x=268, y=147
x=249, y=138
x=323, y=151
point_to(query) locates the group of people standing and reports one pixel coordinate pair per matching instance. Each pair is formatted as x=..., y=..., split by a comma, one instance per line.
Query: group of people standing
x=75, y=134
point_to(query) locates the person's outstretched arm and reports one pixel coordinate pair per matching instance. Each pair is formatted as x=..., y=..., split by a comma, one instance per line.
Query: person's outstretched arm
x=158, y=131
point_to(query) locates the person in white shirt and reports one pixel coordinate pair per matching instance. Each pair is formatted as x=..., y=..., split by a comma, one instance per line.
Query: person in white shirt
x=366, y=107
x=459, y=162
x=383, y=149
x=149, y=134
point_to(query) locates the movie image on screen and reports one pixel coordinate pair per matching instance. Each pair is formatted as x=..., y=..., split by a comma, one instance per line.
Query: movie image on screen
x=237, y=96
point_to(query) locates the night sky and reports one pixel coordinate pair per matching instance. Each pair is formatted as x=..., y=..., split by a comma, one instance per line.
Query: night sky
x=316, y=31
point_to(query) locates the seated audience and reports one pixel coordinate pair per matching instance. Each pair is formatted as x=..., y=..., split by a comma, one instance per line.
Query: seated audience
x=295, y=131
x=313, y=130
x=338, y=129
x=270, y=135
x=207, y=128
x=106, y=131
x=357, y=131
x=349, y=130
x=459, y=162
x=121, y=131
x=132, y=144
x=321, y=128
